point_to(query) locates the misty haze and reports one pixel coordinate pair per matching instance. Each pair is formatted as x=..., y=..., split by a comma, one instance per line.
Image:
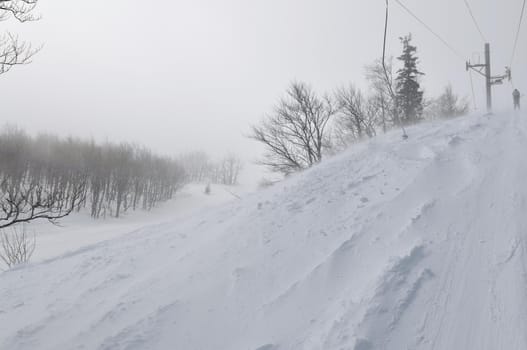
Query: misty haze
x=263, y=175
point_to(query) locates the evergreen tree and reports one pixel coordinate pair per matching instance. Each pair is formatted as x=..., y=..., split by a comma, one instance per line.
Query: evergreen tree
x=409, y=96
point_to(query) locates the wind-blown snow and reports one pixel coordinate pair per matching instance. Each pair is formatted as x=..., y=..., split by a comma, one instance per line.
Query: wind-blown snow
x=418, y=244
x=80, y=229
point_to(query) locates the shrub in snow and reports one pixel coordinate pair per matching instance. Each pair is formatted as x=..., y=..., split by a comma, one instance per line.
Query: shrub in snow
x=16, y=246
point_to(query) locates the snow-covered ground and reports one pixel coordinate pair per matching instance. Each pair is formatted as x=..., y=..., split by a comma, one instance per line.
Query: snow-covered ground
x=417, y=244
x=80, y=230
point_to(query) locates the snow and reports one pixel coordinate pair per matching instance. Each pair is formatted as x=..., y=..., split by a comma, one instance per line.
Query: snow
x=417, y=244
x=80, y=230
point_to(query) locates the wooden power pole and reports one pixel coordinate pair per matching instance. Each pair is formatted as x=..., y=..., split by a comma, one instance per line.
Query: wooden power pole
x=485, y=70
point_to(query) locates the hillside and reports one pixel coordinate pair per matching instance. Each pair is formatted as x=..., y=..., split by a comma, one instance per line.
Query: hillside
x=417, y=244
x=80, y=229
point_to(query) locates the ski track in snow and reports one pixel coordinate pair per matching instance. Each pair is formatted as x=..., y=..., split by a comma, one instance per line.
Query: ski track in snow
x=417, y=244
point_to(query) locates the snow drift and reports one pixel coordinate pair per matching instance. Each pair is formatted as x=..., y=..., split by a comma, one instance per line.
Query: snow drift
x=417, y=244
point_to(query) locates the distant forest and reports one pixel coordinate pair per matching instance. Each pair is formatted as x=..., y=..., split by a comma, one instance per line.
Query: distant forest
x=53, y=176
x=47, y=177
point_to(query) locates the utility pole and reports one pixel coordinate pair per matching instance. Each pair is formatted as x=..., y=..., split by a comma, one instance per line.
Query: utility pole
x=485, y=71
x=488, y=74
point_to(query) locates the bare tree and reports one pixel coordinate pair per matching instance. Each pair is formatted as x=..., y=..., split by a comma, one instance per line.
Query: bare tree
x=197, y=166
x=22, y=10
x=14, y=52
x=356, y=117
x=382, y=87
x=23, y=202
x=295, y=134
x=16, y=247
x=24, y=196
x=229, y=170
x=448, y=105
x=48, y=178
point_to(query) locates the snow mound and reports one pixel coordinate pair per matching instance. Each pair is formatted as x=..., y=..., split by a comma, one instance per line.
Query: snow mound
x=417, y=244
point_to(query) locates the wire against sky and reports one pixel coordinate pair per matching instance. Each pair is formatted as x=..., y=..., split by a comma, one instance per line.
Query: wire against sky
x=472, y=88
x=518, y=33
x=474, y=20
x=431, y=30
x=388, y=80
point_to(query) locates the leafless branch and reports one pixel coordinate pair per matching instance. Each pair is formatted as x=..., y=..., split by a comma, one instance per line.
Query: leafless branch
x=24, y=203
x=357, y=116
x=16, y=246
x=22, y=10
x=14, y=52
x=294, y=135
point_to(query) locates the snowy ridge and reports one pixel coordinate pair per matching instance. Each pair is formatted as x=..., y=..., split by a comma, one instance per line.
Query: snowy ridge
x=393, y=245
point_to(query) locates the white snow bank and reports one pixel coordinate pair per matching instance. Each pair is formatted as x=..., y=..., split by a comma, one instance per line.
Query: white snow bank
x=79, y=230
x=417, y=244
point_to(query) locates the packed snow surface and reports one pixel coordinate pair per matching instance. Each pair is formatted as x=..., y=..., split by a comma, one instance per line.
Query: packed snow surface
x=78, y=230
x=417, y=244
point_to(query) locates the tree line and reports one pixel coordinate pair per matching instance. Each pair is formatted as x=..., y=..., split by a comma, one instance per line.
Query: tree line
x=47, y=177
x=305, y=126
x=201, y=168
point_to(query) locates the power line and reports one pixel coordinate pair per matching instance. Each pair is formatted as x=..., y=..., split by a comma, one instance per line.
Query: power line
x=474, y=20
x=518, y=33
x=431, y=30
x=388, y=80
x=473, y=93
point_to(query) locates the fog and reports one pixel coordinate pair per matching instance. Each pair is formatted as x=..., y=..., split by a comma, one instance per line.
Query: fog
x=245, y=175
x=184, y=75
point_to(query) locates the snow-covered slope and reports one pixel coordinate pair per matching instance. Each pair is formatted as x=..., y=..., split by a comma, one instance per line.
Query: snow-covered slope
x=79, y=229
x=420, y=244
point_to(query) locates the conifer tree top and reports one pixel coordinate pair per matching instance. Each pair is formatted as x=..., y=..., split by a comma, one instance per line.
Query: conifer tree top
x=409, y=96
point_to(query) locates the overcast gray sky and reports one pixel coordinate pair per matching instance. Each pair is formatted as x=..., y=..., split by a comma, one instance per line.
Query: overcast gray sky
x=194, y=74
